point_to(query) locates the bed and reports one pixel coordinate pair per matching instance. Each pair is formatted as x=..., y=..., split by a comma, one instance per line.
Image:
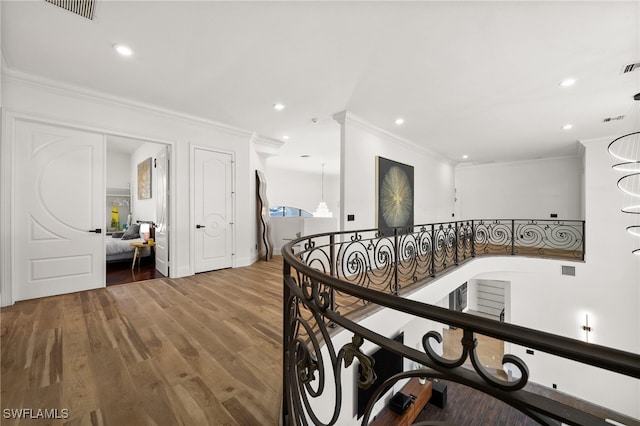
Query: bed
x=118, y=245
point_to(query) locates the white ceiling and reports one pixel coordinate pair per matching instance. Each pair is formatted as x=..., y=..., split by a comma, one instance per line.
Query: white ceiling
x=475, y=78
x=123, y=145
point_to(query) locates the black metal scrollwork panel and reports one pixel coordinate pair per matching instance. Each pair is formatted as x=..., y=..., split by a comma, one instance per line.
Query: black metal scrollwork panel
x=366, y=260
x=549, y=238
x=465, y=240
x=493, y=237
x=469, y=350
x=445, y=247
x=415, y=252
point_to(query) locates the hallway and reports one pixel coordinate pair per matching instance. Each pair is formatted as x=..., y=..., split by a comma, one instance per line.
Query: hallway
x=199, y=350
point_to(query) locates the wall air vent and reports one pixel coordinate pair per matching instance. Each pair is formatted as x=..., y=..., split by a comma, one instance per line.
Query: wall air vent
x=84, y=8
x=630, y=67
x=569, y=270
x=608, y=119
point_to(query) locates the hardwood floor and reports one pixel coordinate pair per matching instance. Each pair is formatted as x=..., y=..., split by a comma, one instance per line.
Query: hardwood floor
x=121, y=272
x=490, y=351
x=201, y=350
x=465, y=406
x=195, y=351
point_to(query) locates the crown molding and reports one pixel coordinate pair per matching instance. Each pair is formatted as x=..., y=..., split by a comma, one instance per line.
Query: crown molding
x=345, y=117
x=264, y=145
x=607, y=139
x=471, y=165
x=83, y=93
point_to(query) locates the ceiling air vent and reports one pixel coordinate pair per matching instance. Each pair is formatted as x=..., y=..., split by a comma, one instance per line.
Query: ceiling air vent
x=569, y=270
x=84, y=8
x=608, y=119
x=631, y=67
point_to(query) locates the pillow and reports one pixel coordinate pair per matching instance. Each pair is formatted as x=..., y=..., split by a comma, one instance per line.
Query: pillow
x=117, y=234
x=132, y=232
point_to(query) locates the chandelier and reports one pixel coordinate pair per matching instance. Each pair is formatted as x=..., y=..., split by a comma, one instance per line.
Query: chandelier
x=627, y=149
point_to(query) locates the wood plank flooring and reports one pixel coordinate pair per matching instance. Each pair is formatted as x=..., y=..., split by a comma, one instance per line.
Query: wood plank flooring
x=121, y=272
x=202, y=350
x=466, y=406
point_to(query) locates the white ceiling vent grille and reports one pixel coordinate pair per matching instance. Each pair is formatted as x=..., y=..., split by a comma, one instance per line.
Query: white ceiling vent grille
x=84, y=8
x=631, y=67
x=608, y=119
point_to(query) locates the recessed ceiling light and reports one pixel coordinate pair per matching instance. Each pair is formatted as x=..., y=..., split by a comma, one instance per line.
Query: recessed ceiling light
x=567, y=127
x=285, y=137
x=123, y=49
x=568, y=82
x=399, y=121
x=464, y=157
x=278, y=107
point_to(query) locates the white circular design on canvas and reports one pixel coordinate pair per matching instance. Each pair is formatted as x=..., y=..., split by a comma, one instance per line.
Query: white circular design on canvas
x=396, y=197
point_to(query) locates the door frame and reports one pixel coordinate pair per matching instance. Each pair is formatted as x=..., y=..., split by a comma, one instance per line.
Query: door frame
x=7, y=188
x=192, y=201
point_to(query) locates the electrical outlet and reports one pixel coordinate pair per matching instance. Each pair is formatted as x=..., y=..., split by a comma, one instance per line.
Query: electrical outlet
x=529, y=351
x=555, y=386
x=351, y=217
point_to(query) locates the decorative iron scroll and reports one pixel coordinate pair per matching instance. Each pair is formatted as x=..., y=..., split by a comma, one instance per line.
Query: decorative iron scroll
x=388, y=262
x=365, y=266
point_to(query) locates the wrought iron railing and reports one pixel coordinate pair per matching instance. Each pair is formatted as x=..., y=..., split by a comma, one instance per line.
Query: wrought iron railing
x=391, y=260
x=371, y=267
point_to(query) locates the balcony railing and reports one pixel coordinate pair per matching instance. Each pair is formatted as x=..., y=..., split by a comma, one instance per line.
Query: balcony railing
x=329, y=277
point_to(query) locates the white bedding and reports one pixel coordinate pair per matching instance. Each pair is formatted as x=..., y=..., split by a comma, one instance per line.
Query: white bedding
x=117, y=246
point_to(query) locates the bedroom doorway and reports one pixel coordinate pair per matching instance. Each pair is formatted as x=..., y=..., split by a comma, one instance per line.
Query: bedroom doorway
x=140, y=169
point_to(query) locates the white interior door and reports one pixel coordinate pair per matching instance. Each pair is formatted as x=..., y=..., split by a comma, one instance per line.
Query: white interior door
x=162, y=212
x=213, y=194
x=58, y=210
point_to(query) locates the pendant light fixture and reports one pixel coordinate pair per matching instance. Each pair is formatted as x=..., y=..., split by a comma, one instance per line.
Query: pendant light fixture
x=627, y=149
x=322, y=210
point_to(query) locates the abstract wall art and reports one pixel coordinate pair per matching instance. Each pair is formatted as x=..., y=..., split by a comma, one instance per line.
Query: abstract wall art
x=144, y=179
x=394, y=193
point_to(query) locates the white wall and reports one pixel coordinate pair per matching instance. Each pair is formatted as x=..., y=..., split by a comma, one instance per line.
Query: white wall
x=541, y=298
x=302, y=189
x=613, y=273
x=118, y=176
x=118, y=169
x=285, y=229
x=520, y=190
x=60, y=104
x=144, y=209
x=360, y=144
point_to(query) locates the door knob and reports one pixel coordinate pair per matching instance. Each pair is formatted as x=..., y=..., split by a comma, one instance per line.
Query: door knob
x=97, y=230
x=200, y=226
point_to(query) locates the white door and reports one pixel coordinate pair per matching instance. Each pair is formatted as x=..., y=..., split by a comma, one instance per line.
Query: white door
x=59, y=203
x=162, y=212
x=213, y=210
